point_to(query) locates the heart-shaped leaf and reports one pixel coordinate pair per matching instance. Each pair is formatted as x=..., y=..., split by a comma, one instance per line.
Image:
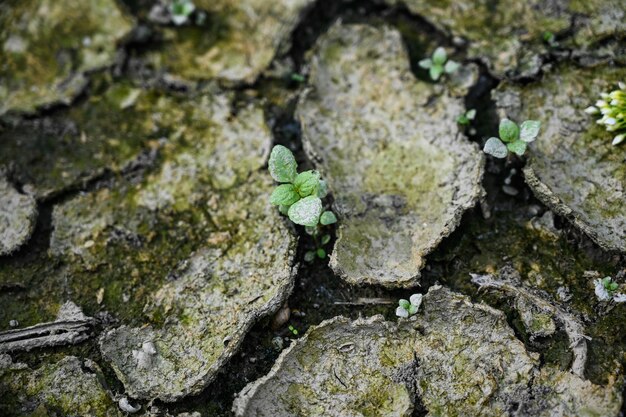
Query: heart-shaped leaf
x=509, y=132
x=328, y=217
x=282, y=164
x=285, y=195
x=435, y=72
x=440, y=56
x=529, y=130
x=518, y=147
x=307, y=183
x=451, y=67
x=306, y=212
x=495, y=147
x=425, y=63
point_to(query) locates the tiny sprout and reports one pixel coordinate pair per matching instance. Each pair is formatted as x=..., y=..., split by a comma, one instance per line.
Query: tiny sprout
x=513, y=138
x=181, y=10
x=612, y=108
x=293, y=330
x=299, y=196
x=299, y=78
x=550, y=39
x=606, y=289
x=466, y=118
x=409, y=307
x=437, y=65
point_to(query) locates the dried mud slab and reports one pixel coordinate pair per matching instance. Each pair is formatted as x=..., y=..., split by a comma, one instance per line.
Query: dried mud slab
x=454, y=358
x=238, y=42
x=71, y=386
x=18, y=216
x=573, y=167
x=46, y=47
x=195, y=241
x=401, y=172
x=508, y=36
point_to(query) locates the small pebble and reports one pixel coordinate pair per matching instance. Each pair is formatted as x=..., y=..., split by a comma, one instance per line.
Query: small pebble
x=512, y=191
x=14, y=323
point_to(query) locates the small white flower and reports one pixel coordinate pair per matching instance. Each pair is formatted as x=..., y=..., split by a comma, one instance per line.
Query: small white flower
x=592, y=110
x=601, y=292
x=622, y=85
x=619, y=139
x=401, y=312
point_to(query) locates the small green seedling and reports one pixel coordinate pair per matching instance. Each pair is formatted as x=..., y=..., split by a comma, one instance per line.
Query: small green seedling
x=612, y=107
x=180, y=11
x=466, y=118
x=409, y=307
x=606, y=290
x=550, y=39
x=300, y=198
x=513, y=138
x=439, y=64
x=293, y=330
x=299, y=78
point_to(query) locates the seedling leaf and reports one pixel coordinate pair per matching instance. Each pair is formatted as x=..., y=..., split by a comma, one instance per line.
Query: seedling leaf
x=328, y=217
x=306, y=212
x=495, y=147
x=282, y=164
x=425, y=63
x=518, y=147
x=284, y=195
x=435, y=72
x=440, y=56
x=451, y=66
x=509, y=132
x=307, y=183
x=529, y=130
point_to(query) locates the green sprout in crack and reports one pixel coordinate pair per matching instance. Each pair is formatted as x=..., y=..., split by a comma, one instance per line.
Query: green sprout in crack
x=299, y=196
x=606, y=290
x=612, y=107
x=466, y=118
x=550, y=39
x=513, y=138
x=439, y=64
x=293, y=330
x=409, y=307
x=181, y=10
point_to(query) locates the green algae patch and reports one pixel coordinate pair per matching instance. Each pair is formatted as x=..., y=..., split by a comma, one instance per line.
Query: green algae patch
x=389, y=146
x=46, y=47
x=238, y=42
x=573, y=167
x=18, y=215
x=69, y=387
x=110, y=130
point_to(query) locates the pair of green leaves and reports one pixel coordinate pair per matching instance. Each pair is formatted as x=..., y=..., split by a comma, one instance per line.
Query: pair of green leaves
x=300, y=195
x=513, y=138
x=439, y=64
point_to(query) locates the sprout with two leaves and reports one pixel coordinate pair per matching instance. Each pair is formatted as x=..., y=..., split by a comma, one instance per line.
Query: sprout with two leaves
x=409, y=307
x=180, y=10
x=300, y=198
x=439, y=64
x=466, y=118
x=612, y=108
x=513, y=138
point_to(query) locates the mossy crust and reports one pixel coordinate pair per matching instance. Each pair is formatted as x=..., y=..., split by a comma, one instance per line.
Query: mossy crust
x=573, y=167
x=71, y=387
x=238, y=42
x=47, y=46
x=508, y=35
x=456, y=357
x=401, y=172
